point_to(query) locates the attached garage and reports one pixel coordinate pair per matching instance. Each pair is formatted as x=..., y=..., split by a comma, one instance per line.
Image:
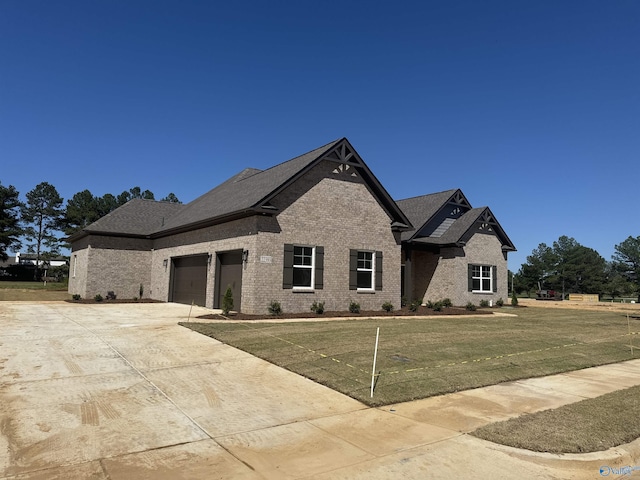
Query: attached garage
x=189, y=280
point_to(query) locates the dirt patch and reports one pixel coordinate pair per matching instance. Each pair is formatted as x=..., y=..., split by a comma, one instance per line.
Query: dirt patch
x=403, y=312
x=26, y=295
x=630, y=308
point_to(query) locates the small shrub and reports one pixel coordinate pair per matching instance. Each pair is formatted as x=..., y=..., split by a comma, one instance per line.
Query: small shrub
x=275, y=308
x=438, y=306
x=470, y=306
x=354, y=307
x=227, y=301
x=135, y=299
x=499, y=302
x=98, y=298
x=514, y=299
x=413, y=306
x=76, y=296
x=430, y=304
x=111, y=295
x=387, y=306
x=317, y=307
x=484, y=303
x=404, y=302
x=447, y=303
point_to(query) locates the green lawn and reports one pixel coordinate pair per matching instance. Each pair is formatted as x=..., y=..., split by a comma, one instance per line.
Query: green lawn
x=418, y=358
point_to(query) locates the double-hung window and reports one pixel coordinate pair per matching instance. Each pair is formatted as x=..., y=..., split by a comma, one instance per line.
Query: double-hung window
x=366, y=269
x=303, y=267
x=482, y=278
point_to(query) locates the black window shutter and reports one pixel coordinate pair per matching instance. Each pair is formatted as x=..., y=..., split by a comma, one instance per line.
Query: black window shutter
x=319, y=268
x=287, y=270
x=353, y=269
x=378, y=270
x=470, y=277
x=494, y=270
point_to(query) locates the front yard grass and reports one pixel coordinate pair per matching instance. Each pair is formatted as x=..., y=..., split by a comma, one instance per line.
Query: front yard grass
x=33, y=291
x=591, y=425
x=419, y=358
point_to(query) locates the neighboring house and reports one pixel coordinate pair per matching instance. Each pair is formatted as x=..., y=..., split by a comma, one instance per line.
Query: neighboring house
x=32, y=259
x=21, y=263
x=319, y=227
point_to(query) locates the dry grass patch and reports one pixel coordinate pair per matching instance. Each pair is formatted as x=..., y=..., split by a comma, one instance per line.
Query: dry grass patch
x=419, y=358
x=588, y=426
x=33, y=291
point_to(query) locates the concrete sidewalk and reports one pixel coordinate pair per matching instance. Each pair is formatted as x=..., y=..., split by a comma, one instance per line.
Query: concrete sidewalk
x=122, y=392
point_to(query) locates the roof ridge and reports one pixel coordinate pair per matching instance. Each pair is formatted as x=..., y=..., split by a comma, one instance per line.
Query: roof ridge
x=428, y=194
x=298, y=156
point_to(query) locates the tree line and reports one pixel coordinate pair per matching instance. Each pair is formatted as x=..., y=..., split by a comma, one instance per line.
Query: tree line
x=42, y=220
x=568, y=267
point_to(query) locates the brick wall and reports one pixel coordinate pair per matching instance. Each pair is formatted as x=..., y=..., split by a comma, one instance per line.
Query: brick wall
x=445, y=275
x=337, y=212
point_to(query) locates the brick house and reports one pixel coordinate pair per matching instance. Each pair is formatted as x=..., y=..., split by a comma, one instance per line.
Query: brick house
x=319, y=227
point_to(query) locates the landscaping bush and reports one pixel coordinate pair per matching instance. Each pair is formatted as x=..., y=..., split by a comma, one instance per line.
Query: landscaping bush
x=98, y=298
x=484, y=303
x=514, y=299
x=413, y=306
x=76, y=296
x=447, y=303
x=438, y=306
x=387, y=306
x=111, y=295
x=470, y=306
x=227, y=301
x=275, y=308
x=317, y=307
x=430, y=304
x=354, y=307
x=499, y=302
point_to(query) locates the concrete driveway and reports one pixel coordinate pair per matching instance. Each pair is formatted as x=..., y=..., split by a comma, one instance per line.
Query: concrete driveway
x=123, y=392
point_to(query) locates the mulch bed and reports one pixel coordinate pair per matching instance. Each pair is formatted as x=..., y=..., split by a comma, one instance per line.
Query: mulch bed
x=404, y=312
x=117, y=300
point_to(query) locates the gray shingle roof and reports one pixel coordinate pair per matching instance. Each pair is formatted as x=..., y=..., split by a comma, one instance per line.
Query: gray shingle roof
x=420, y=209
x=136, y=217
x=457, y=229
x=242, y=191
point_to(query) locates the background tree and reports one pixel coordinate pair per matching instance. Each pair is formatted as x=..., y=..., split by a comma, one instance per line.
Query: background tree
x=539, y=267
x=82, y=209
x=171, y=198
x=626, y=260
x=567, y=267
x=43, y=215
x=135, y=192
x=10, y=230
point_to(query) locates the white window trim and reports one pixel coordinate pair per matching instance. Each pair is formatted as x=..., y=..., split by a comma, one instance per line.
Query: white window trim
x=372, y=288
x=310, y=288
x=481, y=278
x=75, y=265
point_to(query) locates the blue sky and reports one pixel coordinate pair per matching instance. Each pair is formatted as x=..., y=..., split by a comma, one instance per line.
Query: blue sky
x=531, y=108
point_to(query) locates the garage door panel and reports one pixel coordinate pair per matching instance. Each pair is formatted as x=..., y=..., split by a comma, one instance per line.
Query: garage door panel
x=189, y=282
